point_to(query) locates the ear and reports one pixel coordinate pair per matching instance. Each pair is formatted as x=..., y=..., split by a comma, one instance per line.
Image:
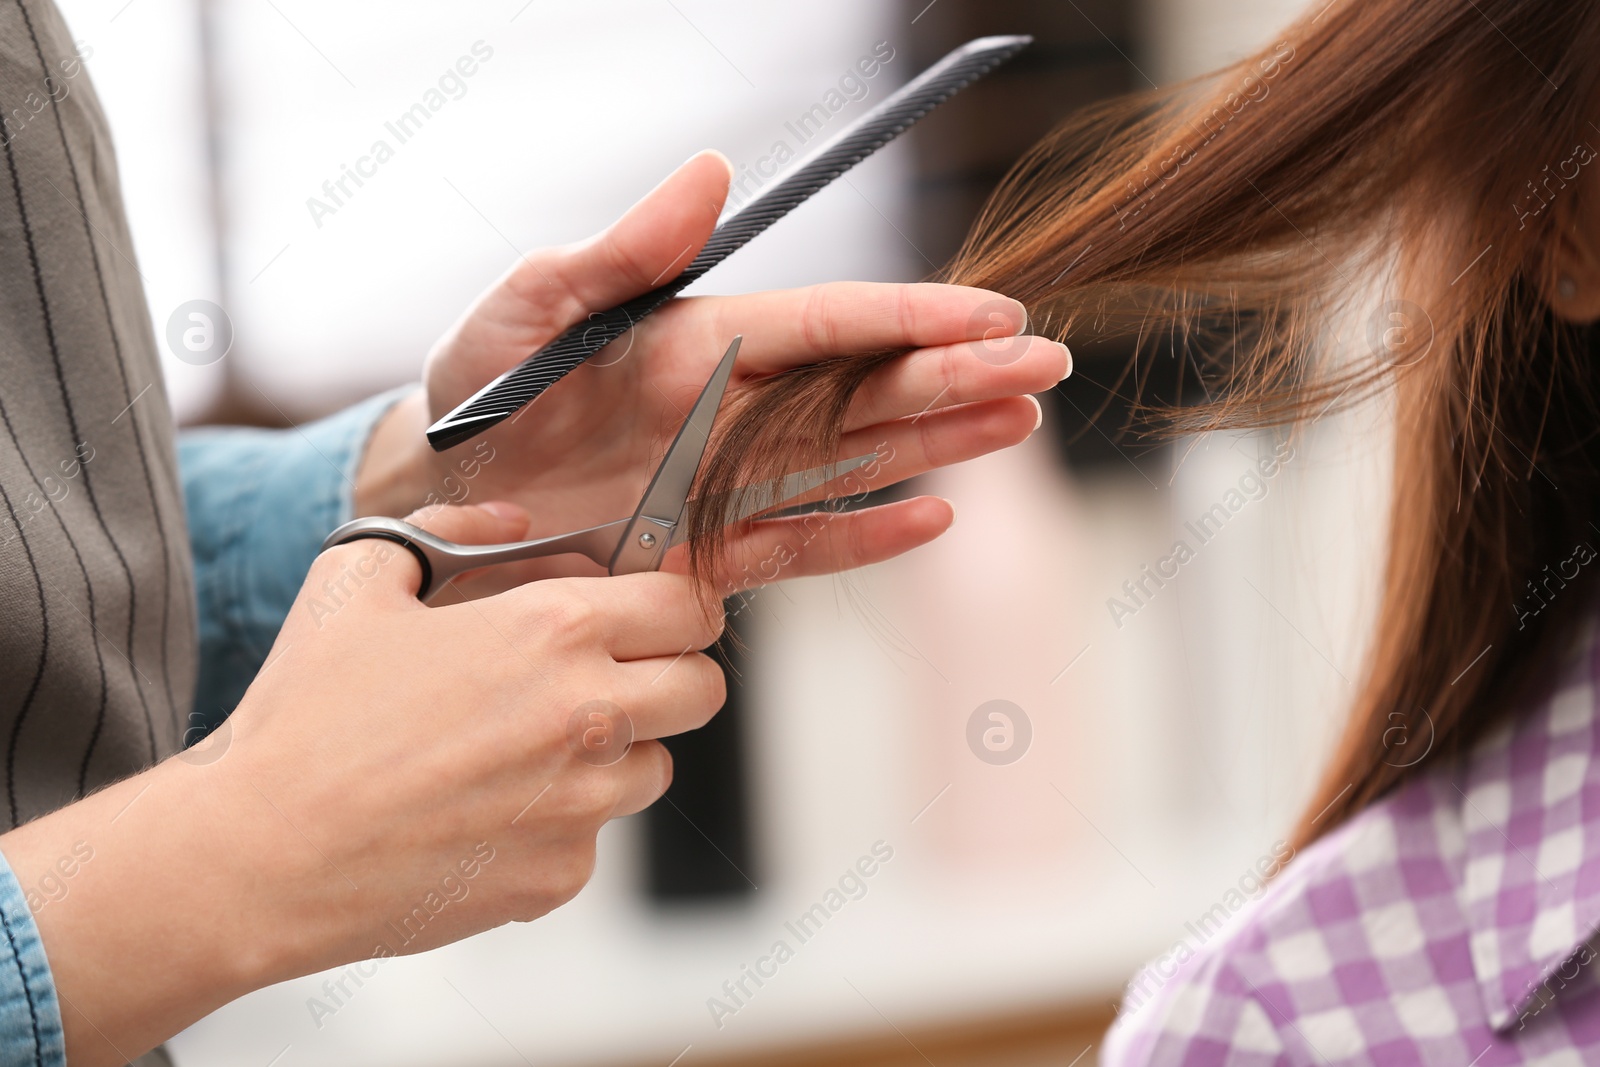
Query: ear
x=1573, y=288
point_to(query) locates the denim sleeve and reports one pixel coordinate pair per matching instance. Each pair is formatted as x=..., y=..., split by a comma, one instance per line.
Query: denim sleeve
x=30, y=1015
x=260, y=502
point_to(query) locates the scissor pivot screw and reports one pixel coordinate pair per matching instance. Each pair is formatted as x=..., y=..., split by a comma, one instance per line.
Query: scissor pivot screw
x=647, y=540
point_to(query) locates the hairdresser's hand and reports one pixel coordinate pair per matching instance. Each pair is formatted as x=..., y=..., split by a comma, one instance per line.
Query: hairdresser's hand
x=396, y=778
x=582, y=453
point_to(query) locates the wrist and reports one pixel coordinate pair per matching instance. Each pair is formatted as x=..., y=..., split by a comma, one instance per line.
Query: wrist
x=174, y=869
x=397, y=467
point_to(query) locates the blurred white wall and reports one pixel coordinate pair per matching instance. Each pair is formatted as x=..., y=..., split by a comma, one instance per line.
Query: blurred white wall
x=145, y=62
x=571, y=113
x=1183, y=38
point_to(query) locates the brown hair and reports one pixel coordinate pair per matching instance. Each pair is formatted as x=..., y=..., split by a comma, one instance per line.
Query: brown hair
x=1424, y=148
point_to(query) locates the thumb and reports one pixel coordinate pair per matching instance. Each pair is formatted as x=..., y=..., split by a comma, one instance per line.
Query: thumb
x=654, y=240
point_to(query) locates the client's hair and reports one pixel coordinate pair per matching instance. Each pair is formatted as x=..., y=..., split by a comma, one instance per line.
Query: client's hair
x=1421, y=151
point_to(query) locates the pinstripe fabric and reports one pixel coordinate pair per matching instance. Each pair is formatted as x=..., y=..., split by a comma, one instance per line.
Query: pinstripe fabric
x=97, y=617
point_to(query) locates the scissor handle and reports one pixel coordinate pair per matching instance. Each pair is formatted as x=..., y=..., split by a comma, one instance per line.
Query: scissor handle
x=442, y=560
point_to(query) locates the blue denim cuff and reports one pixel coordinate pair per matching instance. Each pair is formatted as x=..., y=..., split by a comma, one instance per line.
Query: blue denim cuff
x=30, y=1015
x=260, y=502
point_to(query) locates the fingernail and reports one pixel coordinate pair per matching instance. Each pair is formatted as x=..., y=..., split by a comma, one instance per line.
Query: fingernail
x=1068, y=372
x=1022, y=316
x=1038, y=413
x=952, y=504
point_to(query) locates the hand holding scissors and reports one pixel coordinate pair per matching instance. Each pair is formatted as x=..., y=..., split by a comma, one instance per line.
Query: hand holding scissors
x=628, y=545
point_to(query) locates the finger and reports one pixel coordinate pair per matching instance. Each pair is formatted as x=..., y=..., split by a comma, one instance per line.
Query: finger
x=791, y=327
x=369, y=559
x=639, y=616
x=964, y=373
x=488, y=523
x=652, y=242
x=826, y=542
x=642, y=776
x=668, y=695
x=909, y=447
x=906, y=448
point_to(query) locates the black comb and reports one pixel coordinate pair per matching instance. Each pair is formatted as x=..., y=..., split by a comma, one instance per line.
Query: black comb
x=524, y=383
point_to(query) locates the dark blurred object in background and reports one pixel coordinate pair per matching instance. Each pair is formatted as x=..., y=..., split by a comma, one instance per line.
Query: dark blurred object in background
x=699, y=834
x=1080, y=55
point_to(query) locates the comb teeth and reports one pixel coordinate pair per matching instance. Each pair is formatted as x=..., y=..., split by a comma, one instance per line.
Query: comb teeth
x=527, y=381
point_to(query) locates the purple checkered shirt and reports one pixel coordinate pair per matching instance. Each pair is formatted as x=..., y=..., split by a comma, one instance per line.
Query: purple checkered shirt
x=1449, y=924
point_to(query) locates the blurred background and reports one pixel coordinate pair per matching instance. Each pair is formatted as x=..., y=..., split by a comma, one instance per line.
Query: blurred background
x=1047, y=792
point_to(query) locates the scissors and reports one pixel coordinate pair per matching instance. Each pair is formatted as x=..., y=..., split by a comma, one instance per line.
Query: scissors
x=623, y=546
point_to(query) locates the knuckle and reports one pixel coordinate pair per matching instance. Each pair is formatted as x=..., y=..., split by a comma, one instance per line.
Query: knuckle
x=696, y=622
x=927, y=438
x=344, y=568
x=704, y=619
x=952, y=368
x=623, y=259
x=565, y=613
x=347, y=555
x=434, y=518
x=856, y=549
x=830, y=302
x=593, y=797
x=561, y=874
x=906, y=312
x=528, y=279
x=814, y=326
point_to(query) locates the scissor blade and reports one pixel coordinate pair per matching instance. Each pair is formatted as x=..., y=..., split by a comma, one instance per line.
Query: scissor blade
x=663, y=502
x=754, y=499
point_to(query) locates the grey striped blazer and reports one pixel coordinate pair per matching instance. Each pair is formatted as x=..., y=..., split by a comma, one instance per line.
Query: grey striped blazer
x=97, y=615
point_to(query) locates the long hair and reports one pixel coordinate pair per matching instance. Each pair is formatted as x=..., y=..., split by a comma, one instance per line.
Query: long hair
x=1423, y=153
